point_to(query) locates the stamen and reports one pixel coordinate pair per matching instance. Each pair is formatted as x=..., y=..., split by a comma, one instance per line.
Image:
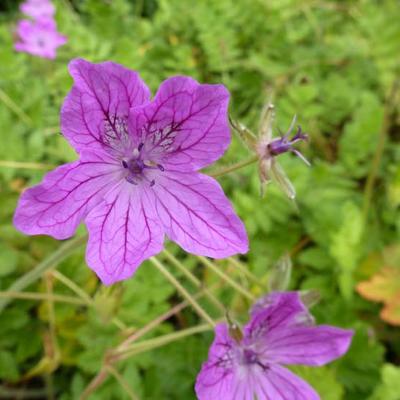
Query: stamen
x=124, y=164
x=140, y=147
x=160, y=167
x=152, y=183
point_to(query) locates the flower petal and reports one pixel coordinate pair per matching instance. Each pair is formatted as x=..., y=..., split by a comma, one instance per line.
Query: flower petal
x=123, y=232
x=187, y=121
x=217, y=378
x=278, y=383
x=196, y=214
x=57, y=205
x=99, y=102
x=315, y=345
x=274, y=311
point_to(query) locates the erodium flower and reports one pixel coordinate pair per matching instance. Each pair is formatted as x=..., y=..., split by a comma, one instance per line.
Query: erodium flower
x=39, y=38
x=38, y=8
x=247, y=366
x=136, y=178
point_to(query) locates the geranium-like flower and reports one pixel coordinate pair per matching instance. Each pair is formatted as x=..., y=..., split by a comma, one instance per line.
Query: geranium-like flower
x=39, y=38
x=136, y=178
x=38, y=8
x=245, y=366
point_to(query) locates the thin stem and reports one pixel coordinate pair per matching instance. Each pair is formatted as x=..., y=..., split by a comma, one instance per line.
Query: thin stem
x=122, y=382
x=95, y=383
x=64, y=251
x=245, y=271
x=185, y=294
x=9, y=102
x=226, y=278
x=234, y=167
x=160, y=341
x=193, y=278
x=25, y=165
x=84, y=296
x=376, y=161
x=40, y=296
x=157, y=321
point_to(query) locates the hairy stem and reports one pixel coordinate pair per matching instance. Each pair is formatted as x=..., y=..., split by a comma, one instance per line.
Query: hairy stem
x=84, y=296
x=185, y=294
x=226, y=278
x=233, y=167
x=196, y=281
x=65, y=250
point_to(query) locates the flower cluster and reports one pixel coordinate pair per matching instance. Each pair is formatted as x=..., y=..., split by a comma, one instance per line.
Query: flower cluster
x=39, y=36
x=247, y=365
x=137, y=177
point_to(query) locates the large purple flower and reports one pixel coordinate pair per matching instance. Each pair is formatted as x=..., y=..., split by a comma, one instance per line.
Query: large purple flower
x=38, y=8
x=280, y=331
x=39, y=38
x=137, y=177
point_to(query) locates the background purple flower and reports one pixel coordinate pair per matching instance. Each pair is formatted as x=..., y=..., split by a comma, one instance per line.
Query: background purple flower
x=137, y=177
x=38, y=8
x=278, y=333
x=39, y=38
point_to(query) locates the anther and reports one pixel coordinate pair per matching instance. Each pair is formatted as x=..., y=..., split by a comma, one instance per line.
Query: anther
x=124, y=164
x=140, y=147
x=152, y=183
x=160, y=167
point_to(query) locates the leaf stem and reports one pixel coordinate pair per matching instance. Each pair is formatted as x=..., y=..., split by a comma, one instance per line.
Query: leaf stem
x=227, y=170
x=10, y=103
x=185, y=294
x=84, y=296
x=40, y=296
x=25, y=165
x=65, y=250
x=226, y=278
x=193, y=278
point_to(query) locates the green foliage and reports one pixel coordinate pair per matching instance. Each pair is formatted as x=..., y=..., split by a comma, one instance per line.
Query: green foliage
x=333, y=63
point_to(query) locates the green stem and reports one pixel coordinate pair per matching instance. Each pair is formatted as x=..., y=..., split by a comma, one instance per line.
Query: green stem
x=376, y=161
x=185, y=294
x=226, y=278
x=122, y=382
x=237, y=264
x=234, y=167
x=9, y=102
x=25, y=165
x=194, y=280
x=84, y=296
x=160, y=341
x=65, y=250
x=8, y=295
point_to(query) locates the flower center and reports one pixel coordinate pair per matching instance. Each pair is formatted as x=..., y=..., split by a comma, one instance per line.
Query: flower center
x=139, y=169
x=249, y=357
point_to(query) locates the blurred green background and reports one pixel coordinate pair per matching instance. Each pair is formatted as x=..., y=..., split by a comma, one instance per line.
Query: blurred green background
x=333, y=63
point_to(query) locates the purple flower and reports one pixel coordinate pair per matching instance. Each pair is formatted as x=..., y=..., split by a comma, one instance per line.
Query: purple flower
x=38, y=8
x=280, y=331
x=137, y=178
x=39, y=38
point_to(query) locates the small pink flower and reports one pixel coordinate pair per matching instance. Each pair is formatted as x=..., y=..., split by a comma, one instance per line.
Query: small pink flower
x=137, y=176
x=39, y=38
x=38, y=8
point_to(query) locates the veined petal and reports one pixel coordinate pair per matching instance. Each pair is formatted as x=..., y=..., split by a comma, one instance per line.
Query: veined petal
x=278, y=383
x=196, y=214
x=218, y=378
x=314, y=345
x=98, y=104
x=274, y=312
x=186, y=122
x=123, y=232
x=57, y=205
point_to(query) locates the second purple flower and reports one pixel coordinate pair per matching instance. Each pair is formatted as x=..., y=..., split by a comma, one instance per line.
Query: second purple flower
x=137, y=178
